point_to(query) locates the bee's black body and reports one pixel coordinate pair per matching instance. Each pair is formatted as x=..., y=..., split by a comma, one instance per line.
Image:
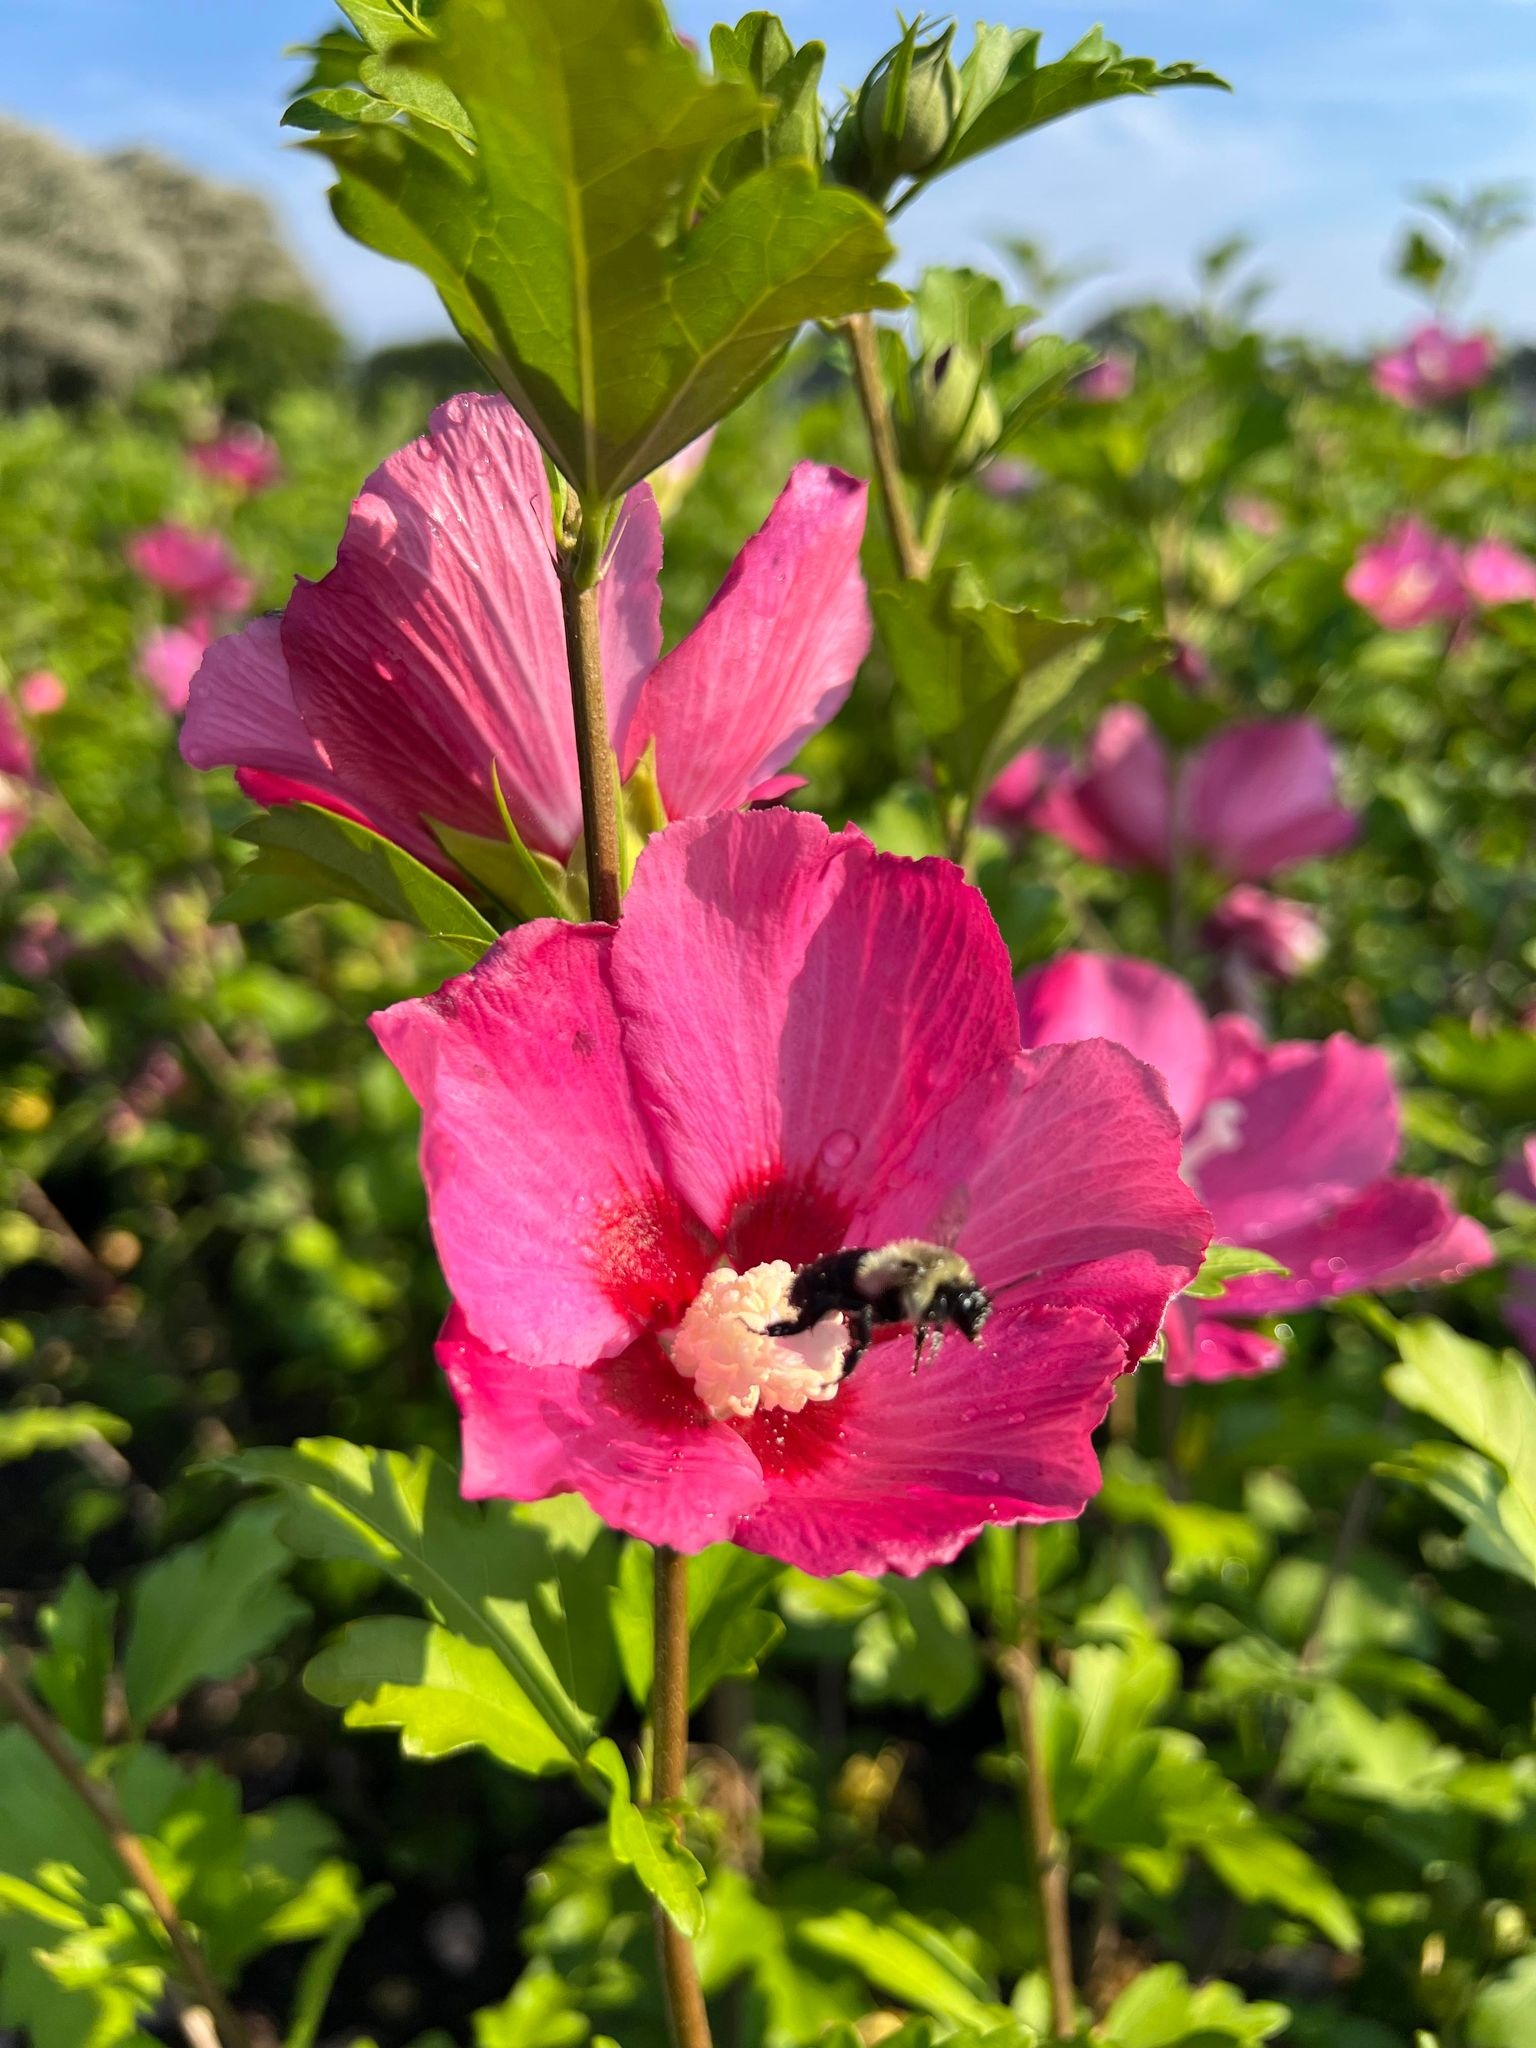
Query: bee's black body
x=926, y=1285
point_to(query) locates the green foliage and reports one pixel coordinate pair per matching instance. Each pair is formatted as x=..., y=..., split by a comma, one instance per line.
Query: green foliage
x=729, y=1631
x=26, y=1431
x=1161, y=2009
x=567, y=242
x=262, y=348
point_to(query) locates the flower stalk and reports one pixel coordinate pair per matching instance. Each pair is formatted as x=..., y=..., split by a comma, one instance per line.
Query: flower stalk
x=101, y=1804
x=686, y=2014
x=912, y=559
x=1048, y=1848
x=581, y=573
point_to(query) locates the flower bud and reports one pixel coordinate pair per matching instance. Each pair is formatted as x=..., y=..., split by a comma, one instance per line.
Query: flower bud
x=951, y=419
x=903, y=118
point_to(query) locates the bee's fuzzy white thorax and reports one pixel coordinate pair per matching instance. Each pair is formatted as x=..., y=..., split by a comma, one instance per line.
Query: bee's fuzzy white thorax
x=907, y=1261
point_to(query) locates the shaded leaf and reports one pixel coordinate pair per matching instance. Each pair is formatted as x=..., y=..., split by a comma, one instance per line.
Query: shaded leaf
x=25, y=1431
x=73, y=1672
x=647, y=1840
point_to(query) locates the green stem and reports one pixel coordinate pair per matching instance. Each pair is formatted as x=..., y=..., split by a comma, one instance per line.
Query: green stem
x=582, y=569
x=869, y=381
x=1048, y=1845
x=686, y=2015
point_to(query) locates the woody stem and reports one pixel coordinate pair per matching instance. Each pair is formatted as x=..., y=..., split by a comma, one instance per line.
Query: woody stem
x=1048, y=1847
x=684, y=1995
x=869, y=381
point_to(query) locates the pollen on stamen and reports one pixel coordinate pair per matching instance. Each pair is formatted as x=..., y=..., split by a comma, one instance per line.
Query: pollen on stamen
x=735, y=1370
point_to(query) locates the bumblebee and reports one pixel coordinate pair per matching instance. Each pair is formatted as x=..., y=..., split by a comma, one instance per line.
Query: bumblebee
x=926, y=1285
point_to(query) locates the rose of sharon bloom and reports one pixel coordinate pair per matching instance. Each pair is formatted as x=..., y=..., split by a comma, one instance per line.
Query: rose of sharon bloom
x=1519, y=1179
x=1255, y=798
x=1290, y=1146
x=1273, y=934
x=17, y=776
x=436, y=647
x=1112, y=377
x=241, y=455
x=42, y=693
x=633, y=1136
x=1409, y=578
x=169, y=659
x=1495, y=574
x=196, y=568
x=1433, y=365
x=1009, y=805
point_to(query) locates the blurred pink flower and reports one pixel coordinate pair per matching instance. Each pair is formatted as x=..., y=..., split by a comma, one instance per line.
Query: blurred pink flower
x=1290, y=1146
x=169, y=658
x=1009, y=805
x=1495, y=574
x=17, y=776
x=41, y=693
x=198, y=569
x=1519, y=1179
x=39, y=945
x=1006, y=476
x=1191, y=668
x=1408, y=578
x=633, y=1136
x=1113, y=376
x=1433, y=365
x=436, y=647
x=1260, y=516
x=241, y=455
x=1255, y=798
x=672, y=482
x=1273, y=934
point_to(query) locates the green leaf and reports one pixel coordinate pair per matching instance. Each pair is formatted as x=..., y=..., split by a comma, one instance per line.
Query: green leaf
x=1203, y=1541
x=1497, y=1067
x=442, y=1693
x=1224, y=1262
x=1503, y=2012
x=647, y=1840
x=483, y=1572
x=906, y=1959
x=1161, y=2009
x=917, y=1648
x=570, y=248
x=758, y=53
x=1500, y=1528
x=25, y=1431
x=963, y=309
x=729, y=1631
x=205, y=1611
x=72, y=1674
x=984, y=679
x=1029, y=381
x=306, y=855
x=321, y=1965
x=542, y=2010
x=1006, y=91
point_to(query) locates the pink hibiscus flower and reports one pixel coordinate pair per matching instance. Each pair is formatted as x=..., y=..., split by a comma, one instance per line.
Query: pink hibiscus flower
x=1290, y=1146
x=1433, y=365
x=1256, y=798
x=634, y=1136
x=1409, y=578
x=1273, y=934
x=41, y=693
x=169, y=659
x=195, y=568
x=242, y=455
x=1009, y=805
x=1112, y=377
x=436, y=647
x=1495, y=574
x=17, y=777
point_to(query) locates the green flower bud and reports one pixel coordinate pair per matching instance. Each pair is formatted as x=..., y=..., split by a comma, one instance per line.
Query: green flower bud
x=951, y=418
x=904, y=115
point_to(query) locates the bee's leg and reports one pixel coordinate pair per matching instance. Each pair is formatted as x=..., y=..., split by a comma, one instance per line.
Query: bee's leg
x=863, y=1320
x=803, y=1319
x=922, y=1331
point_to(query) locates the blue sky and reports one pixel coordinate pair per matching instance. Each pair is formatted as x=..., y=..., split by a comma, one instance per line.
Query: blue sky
x=1340, y=106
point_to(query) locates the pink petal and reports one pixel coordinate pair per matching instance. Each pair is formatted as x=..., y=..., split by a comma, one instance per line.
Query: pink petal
x=1203, y=1350
x=771, y=660
x=1065, y=1191
x=1309, y=1126
x=1396, y=1233
x=168, y=661
x=627, y=1435
x=437, y=644
x=1118, y=809
x=42, y=693
x=554, y=1230
x=15, y=747
x=1010, y=804
x=797, y=1006
x=1409, y=578
x=1496, y=574
x=1261, y=796
x=1149, y=1011
x=901, y=1471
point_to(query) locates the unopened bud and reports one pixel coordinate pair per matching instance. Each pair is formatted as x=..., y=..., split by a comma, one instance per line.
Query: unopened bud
x=903, y=118
x=951, y=419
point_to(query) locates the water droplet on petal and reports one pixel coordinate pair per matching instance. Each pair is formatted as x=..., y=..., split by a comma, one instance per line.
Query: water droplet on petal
x=838, y=1150
x=989, y=1478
